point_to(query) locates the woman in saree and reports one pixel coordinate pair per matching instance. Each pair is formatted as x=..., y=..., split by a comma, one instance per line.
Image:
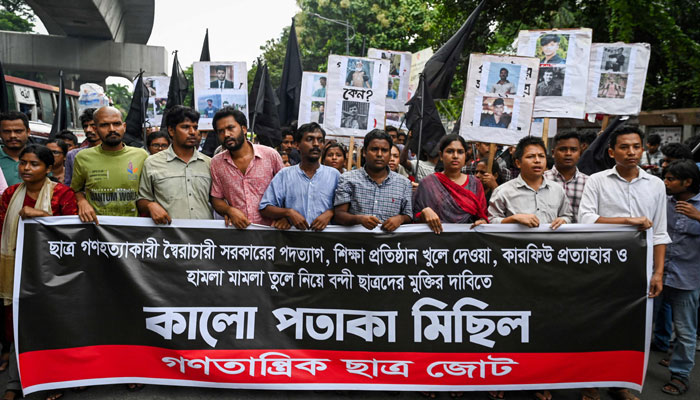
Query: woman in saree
x=450, y=195
x=36, y=196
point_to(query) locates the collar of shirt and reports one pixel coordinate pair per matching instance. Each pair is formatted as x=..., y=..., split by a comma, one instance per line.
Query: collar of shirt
x=369, y=178
x=3, y=154
x=694, y=199
x=557, y=173
x=228, y=159
x=172, y=156
x=642, y=174
x=520, y=182
x=301, y=172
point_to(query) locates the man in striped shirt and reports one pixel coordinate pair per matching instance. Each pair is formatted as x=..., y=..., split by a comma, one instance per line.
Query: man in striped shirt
x=567, y=151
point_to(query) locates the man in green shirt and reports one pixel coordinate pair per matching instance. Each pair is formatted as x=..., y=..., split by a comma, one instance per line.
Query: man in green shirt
x=175, y=183
x=106, y=177
x=14, y=130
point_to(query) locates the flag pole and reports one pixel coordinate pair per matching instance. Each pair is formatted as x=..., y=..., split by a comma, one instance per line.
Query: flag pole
x=420, y=127
x=351, y=148
x=545, y=132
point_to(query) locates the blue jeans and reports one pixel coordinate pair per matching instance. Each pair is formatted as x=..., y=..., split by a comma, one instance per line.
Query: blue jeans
x=684, y=308
x=663, y=326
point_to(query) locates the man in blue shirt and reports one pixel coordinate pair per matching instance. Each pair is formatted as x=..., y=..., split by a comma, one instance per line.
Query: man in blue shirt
x=682, y=271
x=302, y=195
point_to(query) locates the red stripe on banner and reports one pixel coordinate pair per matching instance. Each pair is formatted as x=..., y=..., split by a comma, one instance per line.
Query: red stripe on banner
x=341, y=367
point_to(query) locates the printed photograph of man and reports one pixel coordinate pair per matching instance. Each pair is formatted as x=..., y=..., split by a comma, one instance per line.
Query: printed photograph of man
x=612, y=86
x=550, y=81
x=220, y=73
x=151, y=86
x=503, y=79
x=551, y=50
x=616, y=59
x=319, y=86
x=494, y=114
x=317, y=111
x=391, y=92
x=355, y=115
x=160, y=105
x=208, y=105
x=210, y=110
x=359, y=73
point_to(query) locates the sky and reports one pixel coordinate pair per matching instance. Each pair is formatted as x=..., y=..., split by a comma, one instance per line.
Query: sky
x=237, y=28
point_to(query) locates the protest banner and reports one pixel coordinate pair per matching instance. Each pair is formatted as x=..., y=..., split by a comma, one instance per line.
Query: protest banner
x=498, y=99
x=92, y=95
x=563, y=75
x=198, y=304
x=312, y=105
x=616, y=78
x=418, y=60
x=217, y=85
x=399, y=75
x=157, y=87
x=355, y=96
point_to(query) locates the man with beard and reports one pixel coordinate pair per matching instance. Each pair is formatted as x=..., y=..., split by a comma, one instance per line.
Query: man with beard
x=14, y=130
x=175, y=183
x=241, y=173
x=91, y=140
x=374, y=195
x=106, y=177
x=302, y=195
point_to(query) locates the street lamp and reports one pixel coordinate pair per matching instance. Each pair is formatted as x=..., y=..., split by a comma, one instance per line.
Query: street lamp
x=347, y=26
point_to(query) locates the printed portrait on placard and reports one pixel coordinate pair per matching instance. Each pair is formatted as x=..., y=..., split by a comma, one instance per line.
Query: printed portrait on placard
x=552, y=48
x=496, y=112
x=359, y=73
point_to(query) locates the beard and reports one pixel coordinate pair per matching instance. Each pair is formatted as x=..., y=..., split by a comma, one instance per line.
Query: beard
x=234, y=144
x=112, y=139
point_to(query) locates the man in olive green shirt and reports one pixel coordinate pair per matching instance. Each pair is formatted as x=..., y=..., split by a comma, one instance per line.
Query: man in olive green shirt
x=106, y=177
x=175, y=183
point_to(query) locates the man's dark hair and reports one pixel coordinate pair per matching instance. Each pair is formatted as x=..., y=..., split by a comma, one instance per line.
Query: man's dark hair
x=156, y=135
x=220, y=68
x=15, y=115
x=654, y=139
x=677, y=151
x=377, y=134
x=323, y=78
x=87, y=116
x=498, y=102
x=401, y=133
x=566, y=135
x=546, y=39
x=286, y=131
x=42, y=153
x=588, y=137
x=61, y=145
x=623, y=131
x=685, y=169
x=527, y=141
x=67, y=135
x=230, y=112
x=503, y=69
x=391, y=128
x=306, y=128
x=178, y=114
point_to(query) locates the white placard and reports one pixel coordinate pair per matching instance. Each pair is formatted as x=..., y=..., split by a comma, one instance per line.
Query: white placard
x=312, y=104
x=399, y=75
x=355, y=97
x=616, y=78
x=157, y=87
x=92, y=95
x=219, y=84
x=418, y=61
x=499, y=98
x=563, y=74
x=537, y=127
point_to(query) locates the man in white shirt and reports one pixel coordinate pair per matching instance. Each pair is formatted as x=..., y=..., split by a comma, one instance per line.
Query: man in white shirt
x=503, y=87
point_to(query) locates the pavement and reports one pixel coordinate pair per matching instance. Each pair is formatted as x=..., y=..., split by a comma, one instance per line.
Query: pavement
x=655, y=379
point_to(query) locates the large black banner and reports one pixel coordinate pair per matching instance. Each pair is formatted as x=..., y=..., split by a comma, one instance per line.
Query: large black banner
x=197, y=303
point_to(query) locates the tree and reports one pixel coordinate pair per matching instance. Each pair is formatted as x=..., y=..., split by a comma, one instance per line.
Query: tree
x=121, y=97
x=16, y=16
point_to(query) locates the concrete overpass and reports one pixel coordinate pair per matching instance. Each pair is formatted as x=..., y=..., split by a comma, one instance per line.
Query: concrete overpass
x=89, y=39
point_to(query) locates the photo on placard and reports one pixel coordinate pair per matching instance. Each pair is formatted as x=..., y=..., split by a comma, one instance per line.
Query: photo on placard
x=319, y=86
x=355, y=115
x=359, y=73
x=160, y=105
x=550, y=81
x=503, y=79
x=237, y=101
x=221, y=77
x=318, y=111
x=552, y=48
x=150, y=109
x=616, y=59
x=612, y=86
x=151, y=85
x=496, y=112
x=394, y=83
x=394, y=63
x=208, y=105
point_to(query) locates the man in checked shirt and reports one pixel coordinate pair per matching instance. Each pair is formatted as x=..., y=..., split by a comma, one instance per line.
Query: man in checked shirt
x=374, y=194
x=567, y=151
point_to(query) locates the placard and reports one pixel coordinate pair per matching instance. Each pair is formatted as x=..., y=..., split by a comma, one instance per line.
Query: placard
x=157, y=87
x=312, y=105
x=219, y=84
x=399, y=76
x=616, y=78
x=499, y=98
x=355, y=97
x=418, y=60
x=563, y=74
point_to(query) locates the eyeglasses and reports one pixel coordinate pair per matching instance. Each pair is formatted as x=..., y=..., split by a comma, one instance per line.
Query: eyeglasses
x=159, y=146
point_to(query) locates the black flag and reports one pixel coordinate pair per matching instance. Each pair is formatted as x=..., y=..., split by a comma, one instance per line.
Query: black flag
x=290, y=86
x=423, y=120
x=60, y=118
x=596, y=158
x=178, y=86
x=4, y=102
x=137, y=114
x=205, y=48
x=264, y=121
x=440, y=68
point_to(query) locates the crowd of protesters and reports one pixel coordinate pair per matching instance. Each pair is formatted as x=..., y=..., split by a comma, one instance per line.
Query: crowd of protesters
x=310, y=182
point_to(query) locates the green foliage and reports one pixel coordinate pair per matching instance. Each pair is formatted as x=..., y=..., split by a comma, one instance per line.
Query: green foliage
x=189, y=98
x=16, y=16
x=121, y=97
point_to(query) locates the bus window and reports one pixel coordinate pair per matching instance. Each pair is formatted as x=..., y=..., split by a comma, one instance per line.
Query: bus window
x=11, y=100
x=46, y=101
x=69, y=113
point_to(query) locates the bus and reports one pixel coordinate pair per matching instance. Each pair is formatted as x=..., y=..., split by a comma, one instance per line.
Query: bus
x=38, y=101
